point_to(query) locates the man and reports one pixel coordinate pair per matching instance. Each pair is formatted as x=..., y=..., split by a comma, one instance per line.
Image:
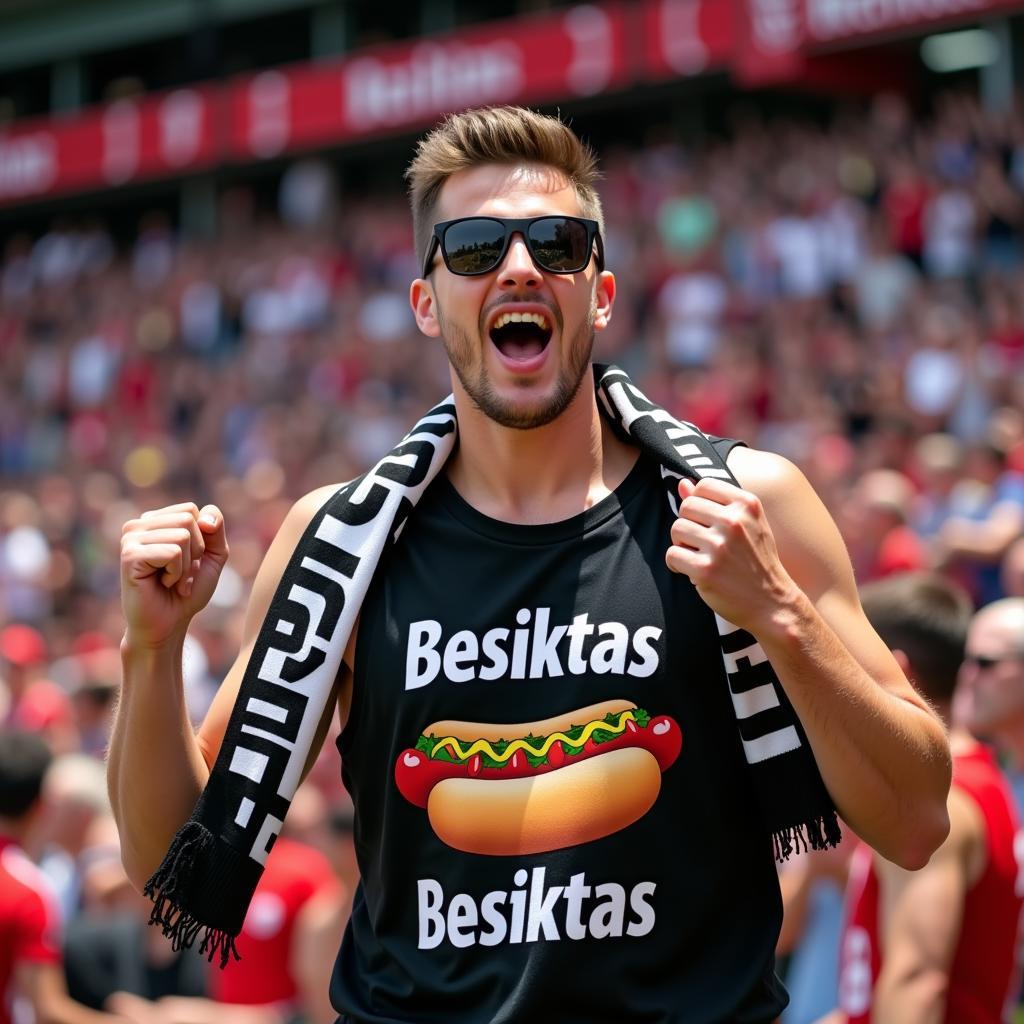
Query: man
x=545, y=533
x=31, y=975
x=985, y=521
x=33, y=702
x=880, y=541
x=938, y=944
x=76, y=809
x=992, y=704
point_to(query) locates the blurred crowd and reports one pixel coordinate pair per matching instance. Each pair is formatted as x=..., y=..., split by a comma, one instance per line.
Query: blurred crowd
x=849, y=294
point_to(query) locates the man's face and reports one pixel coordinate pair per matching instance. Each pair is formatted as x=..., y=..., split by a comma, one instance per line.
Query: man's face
x=519, y=375
x=993, y=676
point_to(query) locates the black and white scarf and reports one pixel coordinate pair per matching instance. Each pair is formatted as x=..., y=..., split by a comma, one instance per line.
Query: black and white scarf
x=208, y=876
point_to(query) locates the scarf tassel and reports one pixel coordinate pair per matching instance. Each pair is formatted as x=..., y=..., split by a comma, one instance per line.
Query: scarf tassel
x=168, y=886
x=819, y=833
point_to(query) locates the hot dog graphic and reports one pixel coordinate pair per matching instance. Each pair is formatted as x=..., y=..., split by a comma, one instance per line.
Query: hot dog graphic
x=529, y=787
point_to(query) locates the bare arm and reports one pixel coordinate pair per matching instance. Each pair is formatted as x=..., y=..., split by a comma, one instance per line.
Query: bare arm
x=157, y=766
x=921, y=917
x=768, y=558
x=318, y=932
x=44, y=986
x=986, y=541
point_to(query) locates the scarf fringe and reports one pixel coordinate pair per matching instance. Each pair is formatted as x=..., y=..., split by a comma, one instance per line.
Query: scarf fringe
x=819, y=833
x=210, y=873
x=167, y=886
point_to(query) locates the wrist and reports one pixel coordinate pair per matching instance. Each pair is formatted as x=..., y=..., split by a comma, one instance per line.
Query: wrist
x=788, y=619
x=141, y=651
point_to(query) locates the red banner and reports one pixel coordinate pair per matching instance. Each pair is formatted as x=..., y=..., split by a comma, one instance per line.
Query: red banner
x=124, y=141
x=384, y=89
x=682, y=38
x=841, y=21
x=768, y=41
x=580, y=51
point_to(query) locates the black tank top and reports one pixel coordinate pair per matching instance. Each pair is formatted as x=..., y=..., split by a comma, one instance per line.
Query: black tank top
x=673, y=916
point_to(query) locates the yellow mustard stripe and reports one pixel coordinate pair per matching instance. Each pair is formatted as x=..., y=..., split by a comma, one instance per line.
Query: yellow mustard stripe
x=484, y=746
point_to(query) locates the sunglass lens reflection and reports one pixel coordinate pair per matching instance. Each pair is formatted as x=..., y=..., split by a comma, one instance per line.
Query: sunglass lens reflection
x=474, y=246
x=559, y=244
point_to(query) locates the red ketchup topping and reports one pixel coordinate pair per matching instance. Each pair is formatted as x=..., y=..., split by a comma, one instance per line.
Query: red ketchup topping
x=416, y=773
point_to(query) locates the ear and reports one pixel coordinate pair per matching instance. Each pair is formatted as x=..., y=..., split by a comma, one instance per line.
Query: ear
x=424, y=307
x=604, y=297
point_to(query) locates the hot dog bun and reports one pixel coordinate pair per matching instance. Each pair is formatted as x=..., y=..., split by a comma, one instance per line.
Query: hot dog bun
x=576, y=804
x=516, y=730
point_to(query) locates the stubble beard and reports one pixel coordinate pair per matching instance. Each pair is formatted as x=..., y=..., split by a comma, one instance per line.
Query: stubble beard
x=478, y=386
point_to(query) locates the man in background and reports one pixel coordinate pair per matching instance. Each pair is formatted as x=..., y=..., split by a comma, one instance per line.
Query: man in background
x=991, y=704
x=30, y=951
x=936, y=944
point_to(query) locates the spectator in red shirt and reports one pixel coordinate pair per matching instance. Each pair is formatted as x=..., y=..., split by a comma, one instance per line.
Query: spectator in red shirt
x=269, y=984
x=880, y=541
x=938, y=944
x=30, y=952
x=33, y=702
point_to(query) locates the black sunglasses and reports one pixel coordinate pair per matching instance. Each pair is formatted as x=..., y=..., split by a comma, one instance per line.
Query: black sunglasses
x=982, y=662
x=476, y=245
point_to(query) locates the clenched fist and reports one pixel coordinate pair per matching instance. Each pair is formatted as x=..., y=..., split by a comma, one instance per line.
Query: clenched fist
x=171, y=559
x=723, y=542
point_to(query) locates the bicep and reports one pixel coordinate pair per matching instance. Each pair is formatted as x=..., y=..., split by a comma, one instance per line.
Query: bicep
x=812, y=551
x=210, y=735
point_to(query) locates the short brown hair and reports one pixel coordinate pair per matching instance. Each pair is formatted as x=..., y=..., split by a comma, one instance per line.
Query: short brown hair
x=926, y=616
x=496, y=135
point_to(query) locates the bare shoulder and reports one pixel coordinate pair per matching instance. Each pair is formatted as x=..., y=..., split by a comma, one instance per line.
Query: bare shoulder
x=768, y=475
x=303, y=511
x=299, y=516
x=288, y=535
x=807, y=538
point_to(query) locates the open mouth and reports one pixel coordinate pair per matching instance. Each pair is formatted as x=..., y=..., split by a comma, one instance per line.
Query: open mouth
x=521, y=336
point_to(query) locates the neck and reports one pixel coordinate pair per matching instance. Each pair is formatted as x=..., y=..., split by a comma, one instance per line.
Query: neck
x=543, y=474
x=1011, y=742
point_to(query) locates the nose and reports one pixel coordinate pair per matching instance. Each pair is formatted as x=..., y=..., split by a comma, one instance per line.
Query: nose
x=517, y=268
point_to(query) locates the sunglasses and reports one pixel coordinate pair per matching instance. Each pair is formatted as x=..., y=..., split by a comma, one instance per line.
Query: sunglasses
x=982, y=662
x=476, y=245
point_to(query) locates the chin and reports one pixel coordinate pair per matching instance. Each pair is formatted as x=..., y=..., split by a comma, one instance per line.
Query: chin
x=521, y=415
x=520, y=407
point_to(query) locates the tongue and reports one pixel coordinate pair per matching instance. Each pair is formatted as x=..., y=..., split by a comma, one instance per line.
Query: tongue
x=521, y=348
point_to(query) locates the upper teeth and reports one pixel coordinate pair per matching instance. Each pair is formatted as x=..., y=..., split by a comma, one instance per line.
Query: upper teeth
x=522, y=318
